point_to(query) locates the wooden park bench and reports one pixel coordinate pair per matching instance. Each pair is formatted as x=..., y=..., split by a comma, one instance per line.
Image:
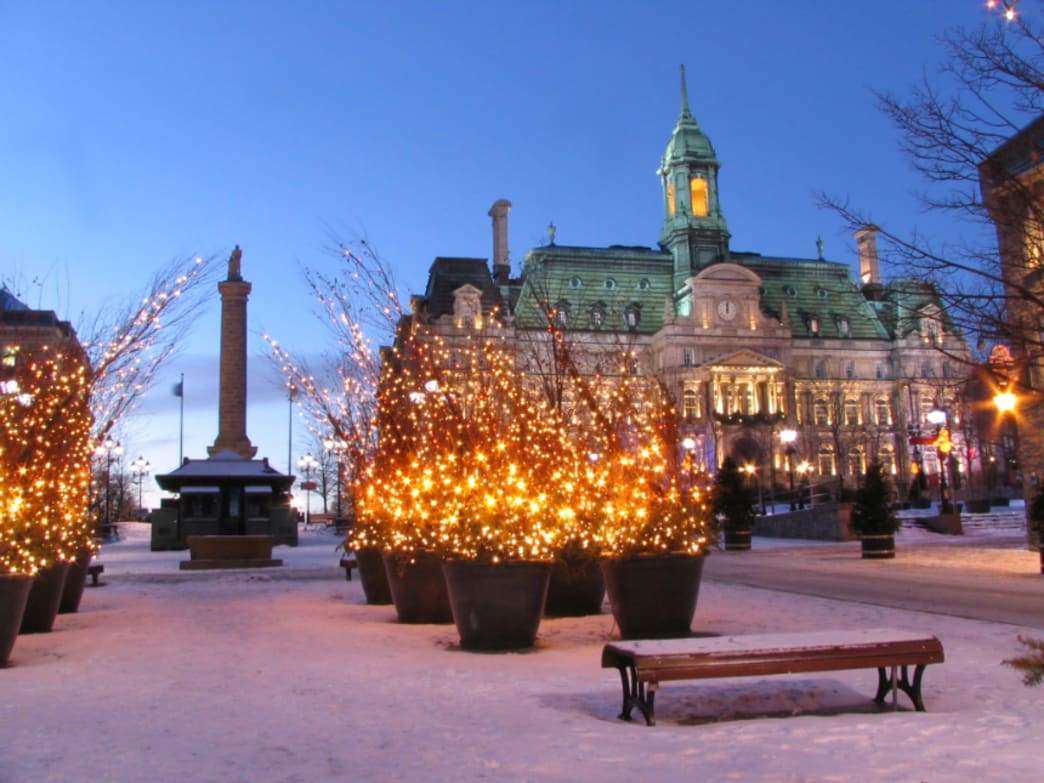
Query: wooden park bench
x=348, y=563
x=94, y=570
x=643, y=665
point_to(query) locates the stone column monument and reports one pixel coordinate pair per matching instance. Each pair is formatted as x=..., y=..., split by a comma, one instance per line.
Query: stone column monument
x=233, y=395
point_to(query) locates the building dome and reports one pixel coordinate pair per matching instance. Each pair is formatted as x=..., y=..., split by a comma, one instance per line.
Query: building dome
x=688, y=142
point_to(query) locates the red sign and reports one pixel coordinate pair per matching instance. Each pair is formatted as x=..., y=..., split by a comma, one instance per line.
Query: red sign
x=306, y=485
x=922, y=440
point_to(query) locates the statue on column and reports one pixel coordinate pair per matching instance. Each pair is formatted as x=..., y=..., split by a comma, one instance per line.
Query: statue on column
x=234, y=261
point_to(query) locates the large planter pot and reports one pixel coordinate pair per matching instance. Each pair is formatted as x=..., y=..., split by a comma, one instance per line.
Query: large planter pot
x=878, y=547
x=44, y=598
x=1000, y=502
x=576, y=587
x=418, y=588
x=921, y=503
x=14, y=593
x=977, y=506
x=653, y=596
x=496, y=606
x=373, y=576
x=74, y=583
x=737, y=540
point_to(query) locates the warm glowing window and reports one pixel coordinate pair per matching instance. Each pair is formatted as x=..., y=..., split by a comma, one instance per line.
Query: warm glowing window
x=698, y=193
x=671, y=205
x=691, y=404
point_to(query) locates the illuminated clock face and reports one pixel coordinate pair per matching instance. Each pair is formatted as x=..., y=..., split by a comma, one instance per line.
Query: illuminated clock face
x=727, y=309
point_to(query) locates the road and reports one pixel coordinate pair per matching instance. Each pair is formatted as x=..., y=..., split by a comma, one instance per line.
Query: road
x=1011, y=592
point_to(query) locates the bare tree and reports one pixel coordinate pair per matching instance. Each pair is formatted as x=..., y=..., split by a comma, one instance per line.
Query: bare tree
x=953, y=128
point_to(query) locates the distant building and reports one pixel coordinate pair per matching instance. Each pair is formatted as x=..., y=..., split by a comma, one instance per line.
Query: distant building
x=749, y=344
x=22, y=329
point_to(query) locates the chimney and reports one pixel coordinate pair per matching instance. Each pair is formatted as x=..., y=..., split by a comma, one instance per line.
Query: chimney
x=501, y=265
x=869, y=266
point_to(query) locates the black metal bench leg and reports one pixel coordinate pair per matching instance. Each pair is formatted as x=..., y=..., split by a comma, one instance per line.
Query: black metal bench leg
x=635, y=694
x=884, y=684
x=628, y=699
x=913, y=690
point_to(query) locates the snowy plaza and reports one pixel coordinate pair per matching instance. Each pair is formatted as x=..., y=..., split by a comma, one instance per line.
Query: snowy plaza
x=287, y=675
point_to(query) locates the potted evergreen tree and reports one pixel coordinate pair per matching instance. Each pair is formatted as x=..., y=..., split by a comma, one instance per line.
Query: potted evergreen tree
x=734, y=506
x=873, y=517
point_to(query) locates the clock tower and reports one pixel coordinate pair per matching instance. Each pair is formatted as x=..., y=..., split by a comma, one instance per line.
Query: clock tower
x=694, y=229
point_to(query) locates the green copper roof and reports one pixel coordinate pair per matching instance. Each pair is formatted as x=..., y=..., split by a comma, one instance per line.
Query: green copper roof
x=596, y=287
x=687, y=141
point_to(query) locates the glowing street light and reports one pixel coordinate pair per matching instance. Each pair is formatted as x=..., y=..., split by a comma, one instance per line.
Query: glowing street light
x=1005, y=401
x=936, y=417
x=788, y=436
x=688, y=444
x=308, y=463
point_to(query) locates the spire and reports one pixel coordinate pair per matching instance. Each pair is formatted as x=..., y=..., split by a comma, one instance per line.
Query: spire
x=685, y=113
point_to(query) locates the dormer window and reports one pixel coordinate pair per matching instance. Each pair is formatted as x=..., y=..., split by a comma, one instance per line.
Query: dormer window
x=790, y=291
x=813, y=325
x=821, y=293
x=644, y=284
x=610, y=284
x=842, y=327
x=632, y=315
x=562, y=314
x=597, y=315
x=698, y=195
x=467, y=306
x=576, y=282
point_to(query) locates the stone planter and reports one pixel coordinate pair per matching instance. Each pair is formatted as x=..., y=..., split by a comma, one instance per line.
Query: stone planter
x=496, y=606
x=44, y=598
x=653, y=596
x=737, y=540
x=418, y=588
x=74, y=582
x=878, y=547
x=373, y=576
x=576, y=587
x=14, y=593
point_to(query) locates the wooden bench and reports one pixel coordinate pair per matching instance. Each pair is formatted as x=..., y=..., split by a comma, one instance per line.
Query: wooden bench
x=643, y=665
x=348, y=563
x=94, y=571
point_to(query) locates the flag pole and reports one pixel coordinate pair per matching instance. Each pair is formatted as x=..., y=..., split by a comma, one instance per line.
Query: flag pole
x=181, y=423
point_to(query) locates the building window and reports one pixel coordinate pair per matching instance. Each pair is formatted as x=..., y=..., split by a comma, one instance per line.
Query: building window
x=879, y=371
x=789, y=290
x=826, y=461
x=10, y=356
x=884, y=412
x=632, y=315
x=610, y=284
x=821, y=293
x=887, y=459
x=850, y=369
x=672, y=205
x=576, y=282
x=813, y=326
x=821, y=369
x=855, y=463
x=928, y=370
x=688, y=357
x=691, y=404
x=843, y=328
x=562, y=313
x=822, y=413
x=698, y=193
x=852, y=413
x=644, y=284
x=597, y=315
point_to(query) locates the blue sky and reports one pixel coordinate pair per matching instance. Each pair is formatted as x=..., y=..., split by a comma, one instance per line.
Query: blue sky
x=136, y=132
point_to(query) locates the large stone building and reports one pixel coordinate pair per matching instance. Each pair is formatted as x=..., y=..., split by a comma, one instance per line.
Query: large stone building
x=1012, y=181
x=749, y=344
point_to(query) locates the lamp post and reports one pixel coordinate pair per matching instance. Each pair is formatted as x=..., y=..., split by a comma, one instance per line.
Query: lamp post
x=751, y=470
x=140, y=469
x=787, y=437
x=308, y=463
x=1006, y=401
x=689, y=444
x=943, y=445
x=804, y=468
x=109, y=450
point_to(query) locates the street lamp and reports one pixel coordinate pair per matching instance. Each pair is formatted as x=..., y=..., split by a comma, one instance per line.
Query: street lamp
x=943, y=446
x=308, y=463
x=804, y=468
x=751, y=470
x=1005, y=401
x=140, y=469
x=787, y=437
x=109, y=450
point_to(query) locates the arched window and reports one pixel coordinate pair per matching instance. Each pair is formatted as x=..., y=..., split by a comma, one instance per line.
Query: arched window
x=632, y=315
x=562, y=313
x=644, y=284
x=672, y=205
x=852, y=413
x=821, y=411
x=597, y=315
x=610, y=284
x=855, y=463
x=843, y=328
x=576, y=282
x=883, y=411
x=698, y=194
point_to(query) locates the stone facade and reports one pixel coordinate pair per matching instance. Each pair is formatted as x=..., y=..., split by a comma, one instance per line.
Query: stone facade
x=748, y=345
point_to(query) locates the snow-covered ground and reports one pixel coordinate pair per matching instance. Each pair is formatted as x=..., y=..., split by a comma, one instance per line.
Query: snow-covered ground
x=288, y=676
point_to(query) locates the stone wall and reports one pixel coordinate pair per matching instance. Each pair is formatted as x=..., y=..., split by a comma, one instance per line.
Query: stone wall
x=826, y=522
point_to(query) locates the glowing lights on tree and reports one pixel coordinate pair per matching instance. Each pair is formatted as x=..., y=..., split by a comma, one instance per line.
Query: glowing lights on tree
x=45, y=461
